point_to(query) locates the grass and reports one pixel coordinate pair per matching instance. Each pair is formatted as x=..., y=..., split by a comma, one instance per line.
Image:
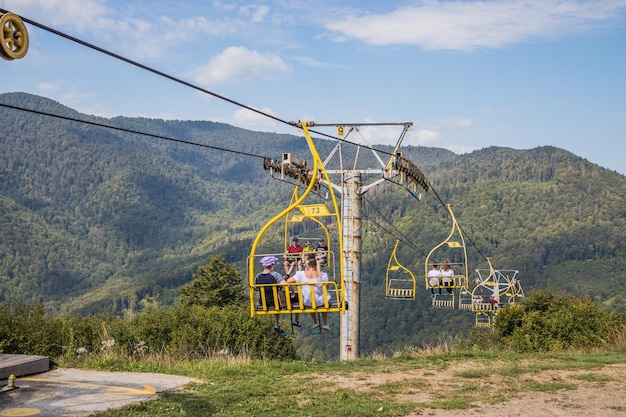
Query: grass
x=593, y=378
x=368, y=387
x=546, y=386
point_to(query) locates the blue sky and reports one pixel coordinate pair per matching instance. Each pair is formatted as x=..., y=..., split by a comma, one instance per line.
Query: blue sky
x=469, y=74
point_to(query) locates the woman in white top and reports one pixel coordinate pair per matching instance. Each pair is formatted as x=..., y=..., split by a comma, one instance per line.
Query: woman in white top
x=447, y=273
x=313, y=273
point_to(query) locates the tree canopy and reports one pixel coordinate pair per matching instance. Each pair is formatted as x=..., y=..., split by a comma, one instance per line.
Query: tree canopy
x=217, y=284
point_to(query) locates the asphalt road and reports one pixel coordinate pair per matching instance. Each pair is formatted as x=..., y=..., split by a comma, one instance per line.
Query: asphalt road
x=73, y=392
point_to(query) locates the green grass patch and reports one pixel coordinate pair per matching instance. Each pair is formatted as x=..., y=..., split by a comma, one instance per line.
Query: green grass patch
x=592, y=377
x=474, y=373
x=455, y=403
x=546, y=386
x=498, y=398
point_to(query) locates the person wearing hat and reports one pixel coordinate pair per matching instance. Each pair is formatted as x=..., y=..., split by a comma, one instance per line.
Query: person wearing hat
x=269, y=276
x=293, y=255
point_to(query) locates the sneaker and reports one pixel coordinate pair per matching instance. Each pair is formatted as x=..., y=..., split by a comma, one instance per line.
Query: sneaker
x=278, y=328
x=296, y=323
x=326, y=328
x=316, y=326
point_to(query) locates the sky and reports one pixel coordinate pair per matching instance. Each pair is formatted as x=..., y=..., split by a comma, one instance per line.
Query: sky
x=468, y=74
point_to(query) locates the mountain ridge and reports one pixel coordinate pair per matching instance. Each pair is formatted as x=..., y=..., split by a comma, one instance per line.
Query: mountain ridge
x=94, y=220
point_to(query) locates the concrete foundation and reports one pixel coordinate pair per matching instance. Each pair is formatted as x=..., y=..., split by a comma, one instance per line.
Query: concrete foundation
x=21, y=365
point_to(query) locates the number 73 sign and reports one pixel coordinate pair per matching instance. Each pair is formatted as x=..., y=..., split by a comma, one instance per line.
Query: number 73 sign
x=311, y=210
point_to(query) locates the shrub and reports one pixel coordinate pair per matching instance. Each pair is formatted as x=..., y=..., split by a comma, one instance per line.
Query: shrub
x=546, y=322
x=183, y=332
x=202, y=332
x=479, y=339
x=24, y=329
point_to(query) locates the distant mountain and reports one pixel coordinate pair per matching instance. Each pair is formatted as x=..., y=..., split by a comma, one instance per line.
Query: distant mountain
x=85, y=207
x=95, y=220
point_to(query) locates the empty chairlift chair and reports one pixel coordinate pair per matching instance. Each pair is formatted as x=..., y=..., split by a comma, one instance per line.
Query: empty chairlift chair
x=400, y=282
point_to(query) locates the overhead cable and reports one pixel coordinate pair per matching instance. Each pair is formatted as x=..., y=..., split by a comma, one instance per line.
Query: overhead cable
x=403, y=238
x=121, y=129
x=177, y=80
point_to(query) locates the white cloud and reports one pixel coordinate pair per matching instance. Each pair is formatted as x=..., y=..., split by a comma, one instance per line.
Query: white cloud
x=254, y=12
x=62, y=14
x=372, y=135
x=48, y=88
x=202, y=25
x=434, y=132
x=237, y=64
x=252, y=120
x=224, y=6
x=425, y=136
x=465, y=25
x=312, y=62
x=72, y=96
x=136, y=37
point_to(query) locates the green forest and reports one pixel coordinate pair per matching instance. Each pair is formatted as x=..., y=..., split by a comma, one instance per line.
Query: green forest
x=104, y=221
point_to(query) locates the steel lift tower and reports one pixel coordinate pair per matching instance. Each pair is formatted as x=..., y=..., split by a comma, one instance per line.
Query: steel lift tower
x=351, y=187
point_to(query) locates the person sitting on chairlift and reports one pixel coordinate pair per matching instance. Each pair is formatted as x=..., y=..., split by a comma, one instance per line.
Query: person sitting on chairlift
x=447, y=275
x=313, y=273
x=493, y=302
x=433, y=279
x=269, y=276
x=293, y=255
x=308, y=251
x=322, y=252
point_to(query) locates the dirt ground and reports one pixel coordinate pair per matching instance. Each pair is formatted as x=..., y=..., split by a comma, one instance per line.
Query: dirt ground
x=571, y=393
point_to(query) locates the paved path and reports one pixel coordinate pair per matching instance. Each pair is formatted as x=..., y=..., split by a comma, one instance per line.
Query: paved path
x=76, y=393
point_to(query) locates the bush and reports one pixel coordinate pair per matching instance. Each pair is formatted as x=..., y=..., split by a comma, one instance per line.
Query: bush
x=183, y=332
x=84, y=333
x=546, y=322
x=24, y=329
x=479, y=339
x=202, y=332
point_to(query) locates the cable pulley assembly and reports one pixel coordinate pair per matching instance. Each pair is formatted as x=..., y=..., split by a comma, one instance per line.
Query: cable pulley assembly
x=292, y=167
x=14, y=37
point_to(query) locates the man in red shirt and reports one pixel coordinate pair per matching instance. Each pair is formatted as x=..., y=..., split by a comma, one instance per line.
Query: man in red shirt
x=293, y=255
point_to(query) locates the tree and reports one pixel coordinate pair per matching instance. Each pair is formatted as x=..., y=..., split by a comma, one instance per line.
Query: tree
x=217, y=284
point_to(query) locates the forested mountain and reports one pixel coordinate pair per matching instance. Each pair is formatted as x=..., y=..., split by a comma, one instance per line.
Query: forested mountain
x=96, y=220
